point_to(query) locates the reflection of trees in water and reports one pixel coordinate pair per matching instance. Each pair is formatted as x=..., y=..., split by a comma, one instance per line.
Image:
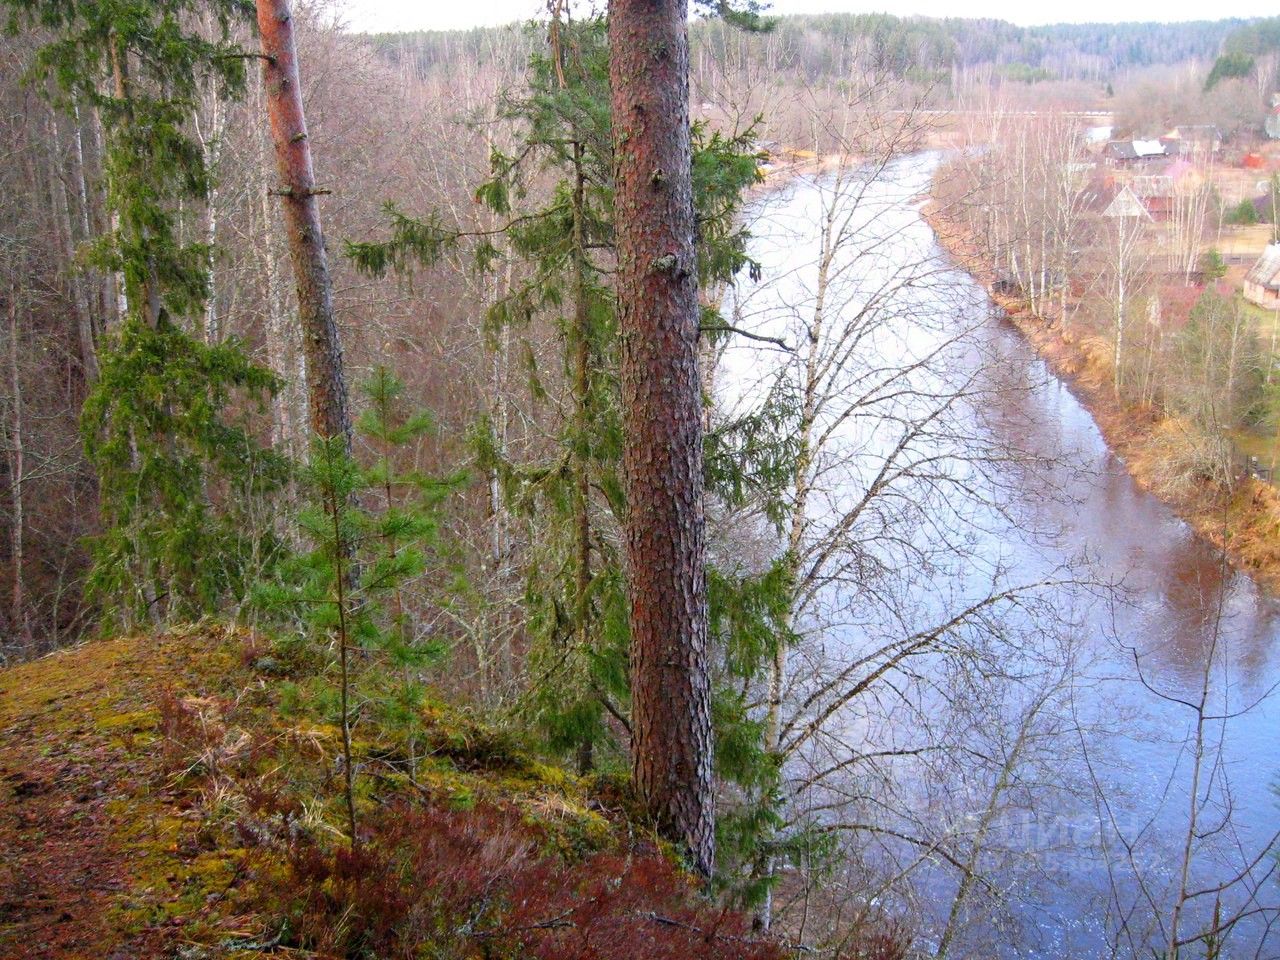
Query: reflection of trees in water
x=1200, y=598
x=1195, y=877
x=927, y=681
x=933, y=715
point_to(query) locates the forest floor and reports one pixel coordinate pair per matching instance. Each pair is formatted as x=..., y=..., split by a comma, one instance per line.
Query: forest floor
x=1244, y=519
x=94, y=854
x=180, y=796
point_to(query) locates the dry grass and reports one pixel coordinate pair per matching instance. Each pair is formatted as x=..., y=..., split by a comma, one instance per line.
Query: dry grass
x=1243, y=241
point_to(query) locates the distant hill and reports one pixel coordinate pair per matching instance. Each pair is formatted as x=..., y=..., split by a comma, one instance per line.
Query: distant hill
x=815, y=44
x=1246, y=50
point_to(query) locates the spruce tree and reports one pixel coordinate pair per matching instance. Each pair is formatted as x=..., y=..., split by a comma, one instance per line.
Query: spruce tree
x=181, y=476
x=572, y=499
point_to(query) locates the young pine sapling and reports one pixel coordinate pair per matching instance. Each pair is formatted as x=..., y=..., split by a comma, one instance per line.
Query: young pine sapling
x=371, y=533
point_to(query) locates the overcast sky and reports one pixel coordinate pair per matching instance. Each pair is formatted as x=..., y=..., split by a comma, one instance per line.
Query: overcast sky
x=379, y=15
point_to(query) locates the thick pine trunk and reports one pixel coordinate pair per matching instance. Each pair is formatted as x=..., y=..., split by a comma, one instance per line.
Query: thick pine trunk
x=662, y=456
x=284, y=346
x=327, y=391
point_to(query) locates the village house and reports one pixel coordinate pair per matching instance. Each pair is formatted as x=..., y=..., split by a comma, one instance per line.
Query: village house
x=1262, y=284
x=1127, y=204
x=1200, y=141
x=1156, y=192
x=1160, y=189
x=1123, y=153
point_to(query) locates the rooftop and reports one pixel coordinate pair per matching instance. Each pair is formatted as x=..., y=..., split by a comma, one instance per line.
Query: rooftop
x=1266, y=272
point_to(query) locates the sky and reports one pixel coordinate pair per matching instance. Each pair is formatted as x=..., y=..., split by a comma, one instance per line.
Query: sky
x=382, y=15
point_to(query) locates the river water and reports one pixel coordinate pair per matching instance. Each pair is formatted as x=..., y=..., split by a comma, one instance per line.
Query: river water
x=1086, y=842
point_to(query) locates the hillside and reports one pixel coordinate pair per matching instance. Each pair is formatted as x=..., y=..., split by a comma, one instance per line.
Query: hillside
x=159, y=797
x=921, y=47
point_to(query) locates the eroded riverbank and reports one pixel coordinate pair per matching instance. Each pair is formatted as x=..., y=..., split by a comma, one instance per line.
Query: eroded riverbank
x=1243, y=520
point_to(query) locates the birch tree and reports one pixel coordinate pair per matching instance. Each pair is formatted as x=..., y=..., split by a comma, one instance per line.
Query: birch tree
x=891, y=481
x=1122, y=279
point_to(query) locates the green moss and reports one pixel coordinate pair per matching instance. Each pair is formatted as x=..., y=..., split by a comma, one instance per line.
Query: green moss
x=556, y=777
x=173, y=822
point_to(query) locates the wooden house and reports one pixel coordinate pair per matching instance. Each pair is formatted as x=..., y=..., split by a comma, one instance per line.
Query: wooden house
x=1125, y=153
x=1262, y=283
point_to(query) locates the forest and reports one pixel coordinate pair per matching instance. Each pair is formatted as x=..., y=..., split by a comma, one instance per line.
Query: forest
x=904, y=44
x=561, y=491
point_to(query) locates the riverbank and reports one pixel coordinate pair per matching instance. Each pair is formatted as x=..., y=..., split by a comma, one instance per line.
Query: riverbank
x=1243, y=519
x=781, y=173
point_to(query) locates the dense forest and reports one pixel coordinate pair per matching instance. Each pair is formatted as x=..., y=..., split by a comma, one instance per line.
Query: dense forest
x=450, y=510
x=919, y=46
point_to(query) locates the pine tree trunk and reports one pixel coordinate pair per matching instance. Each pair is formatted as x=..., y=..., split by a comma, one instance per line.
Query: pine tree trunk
x=662, y=455
x=327, y=388
x=284, y=353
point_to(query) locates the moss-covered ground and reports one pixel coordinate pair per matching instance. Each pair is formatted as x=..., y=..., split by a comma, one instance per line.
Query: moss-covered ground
x=133, y=772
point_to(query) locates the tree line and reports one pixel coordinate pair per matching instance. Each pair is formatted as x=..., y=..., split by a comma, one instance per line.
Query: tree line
x=203, y=511
x=924, y=48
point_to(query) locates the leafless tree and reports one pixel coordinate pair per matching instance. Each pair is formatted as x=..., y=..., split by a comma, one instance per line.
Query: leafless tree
x=1186, y=879
x=893, y=480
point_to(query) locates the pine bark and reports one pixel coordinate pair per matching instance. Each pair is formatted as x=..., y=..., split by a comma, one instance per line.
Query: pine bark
x=326, y=385
x=284, y=346
x=662, y=455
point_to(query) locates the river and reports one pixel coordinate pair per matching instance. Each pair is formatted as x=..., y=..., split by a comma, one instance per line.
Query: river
x=1085, y=844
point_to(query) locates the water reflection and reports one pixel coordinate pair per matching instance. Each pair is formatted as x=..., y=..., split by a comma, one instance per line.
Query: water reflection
x=1069, y=502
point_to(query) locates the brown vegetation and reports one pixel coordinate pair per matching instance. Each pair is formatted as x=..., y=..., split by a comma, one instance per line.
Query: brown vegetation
x=156, y=794
x=1243, y=517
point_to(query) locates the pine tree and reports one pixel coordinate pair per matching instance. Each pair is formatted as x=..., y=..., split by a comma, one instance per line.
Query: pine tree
x=572, y=499
x=326, y=382
x=672, y=750
x=374, y=533
x=408, y=510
